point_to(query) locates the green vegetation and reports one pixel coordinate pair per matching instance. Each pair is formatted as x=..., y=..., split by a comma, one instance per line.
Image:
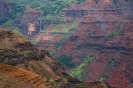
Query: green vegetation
x=96, y=1
x=16, y=30
x=117, y=25
x=46, y=6
x=51, y=80
x=114, y=1
x=15, y=10
x=49, y=9
x=65, y=61
x=115, y=33
x=128, y=0
x=104, y=76
x=112, y=34
x=65, y=29
x=10, y=26
x=78, y=71
x=111, y=63
x=9, y=23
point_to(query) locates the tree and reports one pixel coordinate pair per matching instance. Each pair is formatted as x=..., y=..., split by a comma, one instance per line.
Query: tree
x=65, y=61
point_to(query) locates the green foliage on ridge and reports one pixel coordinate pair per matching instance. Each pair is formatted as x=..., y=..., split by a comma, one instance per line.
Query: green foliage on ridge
x=78, y=71
x=15, y=10
x=46, y=6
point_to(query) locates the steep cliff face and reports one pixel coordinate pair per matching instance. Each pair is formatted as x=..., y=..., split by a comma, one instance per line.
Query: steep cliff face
x=99, y=30
x=43, y=70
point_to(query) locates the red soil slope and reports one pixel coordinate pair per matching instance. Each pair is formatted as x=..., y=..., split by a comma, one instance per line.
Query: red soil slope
x=11, y=77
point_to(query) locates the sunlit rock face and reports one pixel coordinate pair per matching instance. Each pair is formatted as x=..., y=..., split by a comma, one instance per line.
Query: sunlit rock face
x=101, y=30
x=31, y=28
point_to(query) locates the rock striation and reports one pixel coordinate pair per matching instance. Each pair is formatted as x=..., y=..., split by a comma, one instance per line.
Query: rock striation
x=101, y=30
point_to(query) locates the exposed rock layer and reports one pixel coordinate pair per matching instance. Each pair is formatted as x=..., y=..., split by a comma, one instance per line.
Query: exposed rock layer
x=104, y=30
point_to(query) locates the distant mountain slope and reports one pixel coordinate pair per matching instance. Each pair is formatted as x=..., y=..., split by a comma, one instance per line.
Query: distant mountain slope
x=95, y=36
x=101, y=32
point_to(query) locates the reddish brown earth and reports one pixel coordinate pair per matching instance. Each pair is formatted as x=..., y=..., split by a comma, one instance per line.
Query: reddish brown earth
x=18, y=51
x=17, y=54
x=96, y=27
x=104, y=30
x=11, y=77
